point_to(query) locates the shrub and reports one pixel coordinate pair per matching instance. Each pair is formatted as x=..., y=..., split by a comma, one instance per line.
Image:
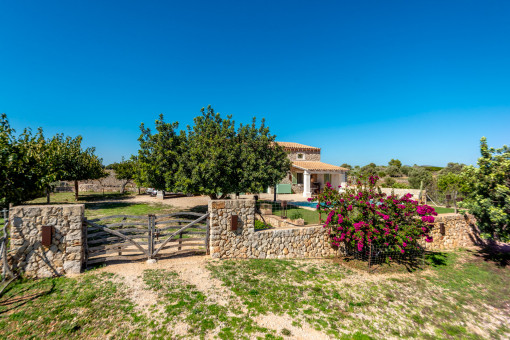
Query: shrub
x=389, y=182
x=261, y=225
x=362, y=216
x=294, y=215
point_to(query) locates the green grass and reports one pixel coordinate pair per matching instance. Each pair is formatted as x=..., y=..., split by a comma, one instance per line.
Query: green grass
x=92, y=306
x=443, y=210
x=310, y=216
x=98, y=205
x=448, y=300
x=461, y=295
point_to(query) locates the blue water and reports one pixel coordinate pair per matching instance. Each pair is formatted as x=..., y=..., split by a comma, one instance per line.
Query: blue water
x=305, y=204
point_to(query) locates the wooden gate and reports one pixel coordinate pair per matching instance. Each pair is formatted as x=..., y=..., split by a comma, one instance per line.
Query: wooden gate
x=127, y=237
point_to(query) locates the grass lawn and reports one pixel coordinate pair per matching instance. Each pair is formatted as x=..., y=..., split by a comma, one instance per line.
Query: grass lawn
x=460, y=295
x=98, y=205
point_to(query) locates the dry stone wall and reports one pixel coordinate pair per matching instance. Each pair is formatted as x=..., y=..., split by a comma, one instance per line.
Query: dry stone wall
x=449, y=232
x=65, y=253
x=245, y=242
x=453, y=231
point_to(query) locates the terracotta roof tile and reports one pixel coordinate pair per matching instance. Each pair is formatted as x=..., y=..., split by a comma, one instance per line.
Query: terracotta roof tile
x=317, y=166
x=297, y=146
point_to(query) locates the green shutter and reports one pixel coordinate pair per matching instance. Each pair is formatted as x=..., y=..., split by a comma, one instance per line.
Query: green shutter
x=294, y=179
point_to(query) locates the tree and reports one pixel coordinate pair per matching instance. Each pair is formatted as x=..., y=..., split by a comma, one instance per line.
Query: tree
x=450, y=183
x=218, y=158
x=489, y=190
x=20, y=170
x=159, y=155
x=125, y=171
x=72, y=163
x=451, y=167
x=393, y=171
x=418, y=175
x=347, y=166
x=395, y=162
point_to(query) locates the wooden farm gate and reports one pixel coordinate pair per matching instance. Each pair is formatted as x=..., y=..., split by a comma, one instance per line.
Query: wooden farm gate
x=127, y=237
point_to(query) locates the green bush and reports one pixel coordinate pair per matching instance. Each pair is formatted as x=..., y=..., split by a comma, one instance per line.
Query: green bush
x=259, y=225
x=295, y=215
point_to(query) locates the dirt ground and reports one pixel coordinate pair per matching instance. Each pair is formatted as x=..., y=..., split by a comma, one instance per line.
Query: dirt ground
x=192, y=269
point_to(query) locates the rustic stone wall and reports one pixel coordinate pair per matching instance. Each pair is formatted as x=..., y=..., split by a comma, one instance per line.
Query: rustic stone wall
x=63, y=256
x=460, y=231
x=309, y=155
x=245, y=242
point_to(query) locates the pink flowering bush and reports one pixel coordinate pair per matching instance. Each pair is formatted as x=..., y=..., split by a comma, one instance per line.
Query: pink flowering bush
x=363, y=216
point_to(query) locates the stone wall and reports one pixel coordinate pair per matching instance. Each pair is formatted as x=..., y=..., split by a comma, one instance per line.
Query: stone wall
x=402, y=192
x=309, y=155
x=63, y=256
x=458, y=231
x=245, y=242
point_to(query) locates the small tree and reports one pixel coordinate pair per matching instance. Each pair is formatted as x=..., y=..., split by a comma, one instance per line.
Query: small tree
x=363, y=216
x=489, y=190
x=72, y=163
x=125, y=171
x=418, y=176
x=450, y=183
x=395, y=163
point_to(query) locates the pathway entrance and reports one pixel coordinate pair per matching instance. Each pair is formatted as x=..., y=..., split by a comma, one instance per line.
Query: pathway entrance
x=128, y=237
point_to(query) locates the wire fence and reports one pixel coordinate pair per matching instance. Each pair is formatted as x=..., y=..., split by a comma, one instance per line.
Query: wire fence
x=373, y=256
x=289, y=210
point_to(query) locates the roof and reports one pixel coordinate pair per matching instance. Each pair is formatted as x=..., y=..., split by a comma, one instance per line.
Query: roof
x=317, y=166
x=297, y=146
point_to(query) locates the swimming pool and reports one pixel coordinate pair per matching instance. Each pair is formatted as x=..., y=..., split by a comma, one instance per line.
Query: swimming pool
x=305, y=204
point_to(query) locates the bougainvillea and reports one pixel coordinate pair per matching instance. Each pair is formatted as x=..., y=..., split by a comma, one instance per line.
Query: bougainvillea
x=361, y=216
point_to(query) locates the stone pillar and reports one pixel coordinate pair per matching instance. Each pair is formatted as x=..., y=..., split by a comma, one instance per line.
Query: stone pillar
x=223, y=241
x=160, y=195
x=306, y=181
x=65, y=253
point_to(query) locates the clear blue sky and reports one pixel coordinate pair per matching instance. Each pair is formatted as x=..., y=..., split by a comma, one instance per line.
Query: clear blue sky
x=366, y=81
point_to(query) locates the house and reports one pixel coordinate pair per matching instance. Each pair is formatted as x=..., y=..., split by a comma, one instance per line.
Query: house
x=308, y=175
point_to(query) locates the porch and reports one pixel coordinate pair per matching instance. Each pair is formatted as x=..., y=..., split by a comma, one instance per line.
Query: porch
x=310, y=178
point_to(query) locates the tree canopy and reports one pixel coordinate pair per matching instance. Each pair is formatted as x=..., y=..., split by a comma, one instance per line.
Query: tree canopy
x=488, y=186
x=211, y=157
x=29, y=163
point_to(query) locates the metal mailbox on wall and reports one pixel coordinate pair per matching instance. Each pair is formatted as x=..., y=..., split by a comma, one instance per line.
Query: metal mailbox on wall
x=47, y=231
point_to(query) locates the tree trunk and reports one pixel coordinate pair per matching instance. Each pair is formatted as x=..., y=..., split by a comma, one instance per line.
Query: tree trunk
x=123, y=187
x=274, y=199
x=76, y=189
x=138, y=190
x=48, y=194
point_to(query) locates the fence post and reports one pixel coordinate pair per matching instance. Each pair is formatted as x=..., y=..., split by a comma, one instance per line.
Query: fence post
x=207, y=231
x=85, y=241
x=180, y=241
x=150, y=242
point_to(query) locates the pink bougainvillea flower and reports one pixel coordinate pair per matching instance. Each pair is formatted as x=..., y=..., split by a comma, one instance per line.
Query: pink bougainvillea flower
x=429, y=239
x=349, y=208
x=402, y=251
x=404, y=244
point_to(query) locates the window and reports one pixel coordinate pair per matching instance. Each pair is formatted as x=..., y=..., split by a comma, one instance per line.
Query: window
x=300, y=156
x=299, y=178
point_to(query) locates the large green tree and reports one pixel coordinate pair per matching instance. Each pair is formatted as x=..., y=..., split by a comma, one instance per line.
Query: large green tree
x=213, y=157
x=159, y=155
x=488, y=186
x=218, y=158
x=20, y=170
